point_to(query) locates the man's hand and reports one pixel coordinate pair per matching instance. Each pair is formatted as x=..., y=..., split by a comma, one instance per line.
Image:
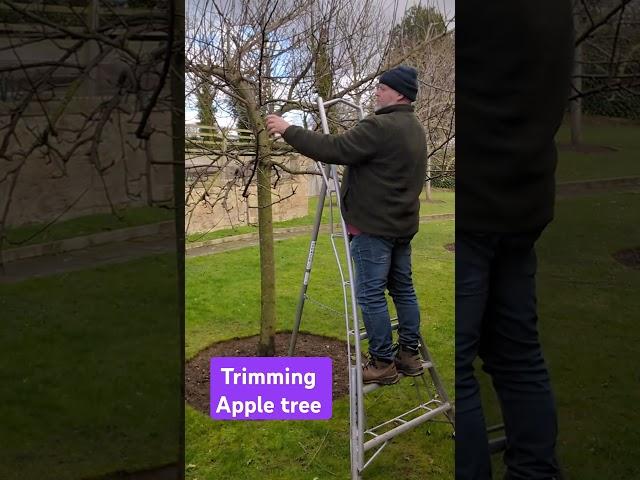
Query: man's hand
x=276, y=124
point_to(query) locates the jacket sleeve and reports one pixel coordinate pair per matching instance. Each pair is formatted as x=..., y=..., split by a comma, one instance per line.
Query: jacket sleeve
x=356, y=145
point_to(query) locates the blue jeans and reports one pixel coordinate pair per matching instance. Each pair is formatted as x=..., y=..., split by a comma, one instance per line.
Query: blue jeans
x=496, y=319
x=385, y=263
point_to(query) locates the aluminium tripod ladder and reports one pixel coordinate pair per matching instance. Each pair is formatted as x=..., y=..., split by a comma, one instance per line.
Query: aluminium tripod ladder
x=363, y=438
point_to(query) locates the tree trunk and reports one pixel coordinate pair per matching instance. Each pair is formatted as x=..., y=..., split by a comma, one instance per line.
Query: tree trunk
x=176, y=82
x=266, y=346
x=428, y=182
x=576, y=105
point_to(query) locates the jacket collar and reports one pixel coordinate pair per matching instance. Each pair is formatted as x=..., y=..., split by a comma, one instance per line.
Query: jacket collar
x=399, y=107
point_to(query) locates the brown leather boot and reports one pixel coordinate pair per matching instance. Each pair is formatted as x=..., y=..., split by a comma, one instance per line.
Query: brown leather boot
x=408, y=361
x=379, y=371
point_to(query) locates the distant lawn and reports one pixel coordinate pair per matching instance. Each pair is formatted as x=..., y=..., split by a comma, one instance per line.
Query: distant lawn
x=443, y=201
x=625, y=161
x=222, y=301
x=91, y=372
x=589, y=311
x=86, y=225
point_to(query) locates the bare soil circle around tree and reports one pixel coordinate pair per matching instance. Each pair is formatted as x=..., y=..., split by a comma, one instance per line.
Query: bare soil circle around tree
x=451, y=247
x=308, y=345
x=629, y=257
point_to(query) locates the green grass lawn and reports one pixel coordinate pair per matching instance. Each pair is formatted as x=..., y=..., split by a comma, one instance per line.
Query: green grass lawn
x=86, y=225
x=91, y=370
x=443, y=201
x=222, y=301
x=588, y=306
x=623, y=162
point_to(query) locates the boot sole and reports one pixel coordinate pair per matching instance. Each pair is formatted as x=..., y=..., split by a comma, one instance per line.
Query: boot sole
x=411, y=373
x=383, y=381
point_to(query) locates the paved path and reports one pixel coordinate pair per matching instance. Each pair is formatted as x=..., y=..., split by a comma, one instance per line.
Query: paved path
x=251, y=239
x=90, y=257
x=589, y=187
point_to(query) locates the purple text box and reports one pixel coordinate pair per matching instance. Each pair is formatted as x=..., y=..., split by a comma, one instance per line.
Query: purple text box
x=271, y=388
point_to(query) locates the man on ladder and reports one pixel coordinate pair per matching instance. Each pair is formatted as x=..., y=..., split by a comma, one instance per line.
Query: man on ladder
x=385, y=155
x=511, y=91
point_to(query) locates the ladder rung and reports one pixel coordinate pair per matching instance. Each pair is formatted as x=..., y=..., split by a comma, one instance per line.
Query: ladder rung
x=428, y=406
x=370, y=387
x=388, y=435
x=497, y=444
x=495, y=428
x=363, y=332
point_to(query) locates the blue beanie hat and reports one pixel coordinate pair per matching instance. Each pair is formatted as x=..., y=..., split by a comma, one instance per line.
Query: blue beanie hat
x=403, y=79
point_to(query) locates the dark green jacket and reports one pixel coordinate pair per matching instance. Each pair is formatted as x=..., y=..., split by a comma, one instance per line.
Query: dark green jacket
x=512, y=87
x=385, y=156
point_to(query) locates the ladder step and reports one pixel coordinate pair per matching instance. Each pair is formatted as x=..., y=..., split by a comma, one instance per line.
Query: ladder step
x=388, y=435
x=404, y=418
x=370, y=387
x=363, y=332
x=497, y=445
x=495, y=428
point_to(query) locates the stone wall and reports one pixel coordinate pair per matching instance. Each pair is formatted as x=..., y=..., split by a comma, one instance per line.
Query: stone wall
x=122, y=171
x=92, y=159
x=209, y=215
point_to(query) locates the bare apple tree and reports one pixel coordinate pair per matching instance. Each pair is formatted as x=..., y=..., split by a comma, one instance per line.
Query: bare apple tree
x=606, y=77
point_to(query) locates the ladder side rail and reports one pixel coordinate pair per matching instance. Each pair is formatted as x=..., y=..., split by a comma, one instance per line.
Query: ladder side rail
x=359, y=404
x=328, y=103
x=325, y=129
x=437, y=381
x=355, y=317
